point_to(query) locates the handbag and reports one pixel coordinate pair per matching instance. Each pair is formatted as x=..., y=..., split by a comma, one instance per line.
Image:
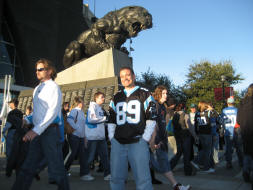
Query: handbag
x=68, y=129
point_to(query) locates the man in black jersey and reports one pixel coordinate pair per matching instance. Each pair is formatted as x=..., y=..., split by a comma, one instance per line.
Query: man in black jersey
x=131, y=124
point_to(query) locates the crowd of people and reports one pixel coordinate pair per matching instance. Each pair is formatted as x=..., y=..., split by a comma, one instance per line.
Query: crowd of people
x=134, y=131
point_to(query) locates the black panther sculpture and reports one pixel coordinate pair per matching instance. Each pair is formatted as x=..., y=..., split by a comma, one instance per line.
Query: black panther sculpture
x=111, y=31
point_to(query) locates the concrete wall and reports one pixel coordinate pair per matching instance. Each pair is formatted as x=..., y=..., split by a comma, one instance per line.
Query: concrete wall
x=85, y=89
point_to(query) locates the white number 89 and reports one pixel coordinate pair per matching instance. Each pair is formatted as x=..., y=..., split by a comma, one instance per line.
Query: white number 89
x=132, y=108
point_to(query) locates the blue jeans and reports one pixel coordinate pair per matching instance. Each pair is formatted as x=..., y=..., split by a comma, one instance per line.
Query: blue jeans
x=47, y=144
x=206, y=150
x=101, y=147
x=9, y=141
x=160, y=161
x=184, y=147
x=78, y=149
x=230, y=142
x=42, y=165
x=137, y=154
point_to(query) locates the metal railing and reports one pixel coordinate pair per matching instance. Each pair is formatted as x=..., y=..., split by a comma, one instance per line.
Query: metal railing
x=4, y=111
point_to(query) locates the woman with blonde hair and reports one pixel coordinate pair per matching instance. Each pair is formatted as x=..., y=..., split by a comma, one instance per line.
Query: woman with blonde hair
x=76, y=119
x=204, y=130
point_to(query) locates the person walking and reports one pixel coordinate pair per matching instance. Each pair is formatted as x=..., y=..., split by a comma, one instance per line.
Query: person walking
x=77, y=141
x=228, y=116
x=204, y=130
x=95, y=133
x=190, y=118
x=159, y=141
x=131, y=124
x=214, y=119
x=45, y=135
x=19, y=147
x=183, y=140
x=14, y=121
x=65, y=147
x=190, y=121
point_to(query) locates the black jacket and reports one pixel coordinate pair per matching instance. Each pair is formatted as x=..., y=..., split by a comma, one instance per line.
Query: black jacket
x=18, y=152
x=161, y=133
x=180, y=129
x=15, y=117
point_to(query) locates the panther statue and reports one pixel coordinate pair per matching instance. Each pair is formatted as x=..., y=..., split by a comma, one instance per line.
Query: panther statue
x=111, y=31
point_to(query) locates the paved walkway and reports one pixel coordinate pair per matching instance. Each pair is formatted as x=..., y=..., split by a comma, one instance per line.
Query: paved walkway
x=222, y=179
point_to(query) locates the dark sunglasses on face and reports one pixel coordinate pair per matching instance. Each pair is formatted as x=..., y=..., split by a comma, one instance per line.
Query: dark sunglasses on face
x=40, y=69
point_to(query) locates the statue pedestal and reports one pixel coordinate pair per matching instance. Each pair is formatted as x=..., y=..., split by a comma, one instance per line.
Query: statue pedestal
x=102, y=65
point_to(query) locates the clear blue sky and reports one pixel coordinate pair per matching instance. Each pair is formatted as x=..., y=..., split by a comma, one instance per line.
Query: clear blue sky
x=188, y=31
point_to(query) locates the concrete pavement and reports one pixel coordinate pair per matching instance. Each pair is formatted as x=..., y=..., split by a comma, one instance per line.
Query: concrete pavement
x=222, y=179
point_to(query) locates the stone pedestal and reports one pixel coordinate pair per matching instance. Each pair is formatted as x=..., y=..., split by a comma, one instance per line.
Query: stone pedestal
x=103, y=65
x=97, y=73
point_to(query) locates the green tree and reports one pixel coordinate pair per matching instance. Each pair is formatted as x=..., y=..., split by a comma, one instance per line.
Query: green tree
x=203, y=77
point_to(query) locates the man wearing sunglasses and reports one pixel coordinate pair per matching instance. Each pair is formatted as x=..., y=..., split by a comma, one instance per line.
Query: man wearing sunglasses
x=45, y=136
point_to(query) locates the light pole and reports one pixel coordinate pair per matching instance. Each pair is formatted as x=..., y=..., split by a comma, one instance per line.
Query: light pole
x=223, y=79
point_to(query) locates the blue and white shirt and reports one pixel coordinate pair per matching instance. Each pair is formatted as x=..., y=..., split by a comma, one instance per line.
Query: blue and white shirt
x=95, y=127
x=229, y=120
x=79, y=126
x=47, y=100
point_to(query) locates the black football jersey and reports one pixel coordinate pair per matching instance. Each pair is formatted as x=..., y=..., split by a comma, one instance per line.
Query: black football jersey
x=129, y=112
x=202, y=123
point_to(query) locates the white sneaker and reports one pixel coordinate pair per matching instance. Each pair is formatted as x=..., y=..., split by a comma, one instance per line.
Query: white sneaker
x=87, y=177
x=108, y=177
x=182, y=187
x=211, y=170
x=195, y=165
x=187, y=187
x=68, y=174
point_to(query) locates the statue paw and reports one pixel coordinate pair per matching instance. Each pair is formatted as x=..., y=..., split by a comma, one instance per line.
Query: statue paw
x=72, y=54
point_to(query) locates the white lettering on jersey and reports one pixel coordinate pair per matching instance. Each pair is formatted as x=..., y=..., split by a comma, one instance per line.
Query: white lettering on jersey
x=202, y=120
x=128, y=112
x=230, y=120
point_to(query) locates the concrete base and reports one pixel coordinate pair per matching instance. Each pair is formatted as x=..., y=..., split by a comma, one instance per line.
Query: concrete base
x=103, y=65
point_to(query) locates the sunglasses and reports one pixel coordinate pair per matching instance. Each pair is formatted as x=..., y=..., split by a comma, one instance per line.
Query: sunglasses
x=40, y=69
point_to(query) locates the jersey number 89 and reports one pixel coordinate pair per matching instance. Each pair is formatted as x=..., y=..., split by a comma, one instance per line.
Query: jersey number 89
x=128, y=112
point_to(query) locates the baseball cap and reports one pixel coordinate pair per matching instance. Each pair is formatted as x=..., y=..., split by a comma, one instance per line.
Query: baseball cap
x=193, y=105
x=230, y=100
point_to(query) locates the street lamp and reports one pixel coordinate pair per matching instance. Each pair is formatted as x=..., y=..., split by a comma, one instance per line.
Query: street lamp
x=223, y=79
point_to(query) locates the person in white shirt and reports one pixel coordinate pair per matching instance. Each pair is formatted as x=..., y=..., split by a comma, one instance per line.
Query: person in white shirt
x=45, y=135
x=95, y=133
x=76, y=119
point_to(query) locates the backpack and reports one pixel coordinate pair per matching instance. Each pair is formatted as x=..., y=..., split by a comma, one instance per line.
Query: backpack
x=178, y=121
x=67, y=127
x=179, y=124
